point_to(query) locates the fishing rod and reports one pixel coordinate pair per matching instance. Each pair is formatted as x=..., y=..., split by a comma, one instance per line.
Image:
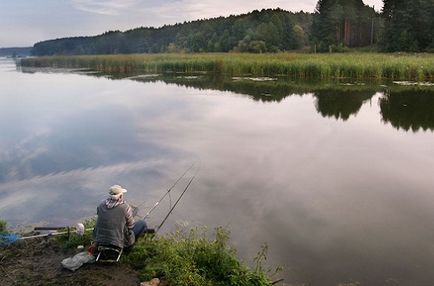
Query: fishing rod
x=45, y=235
x=277, y=281
x=79, y=230
x=165, y=194
x=179, y=198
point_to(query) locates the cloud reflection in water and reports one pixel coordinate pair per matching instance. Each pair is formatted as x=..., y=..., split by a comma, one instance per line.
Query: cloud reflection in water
x=336, y=198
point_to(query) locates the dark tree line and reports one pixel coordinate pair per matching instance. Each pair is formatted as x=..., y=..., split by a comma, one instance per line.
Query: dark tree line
x=15, y=52
x=259, y=31
x=402, y=26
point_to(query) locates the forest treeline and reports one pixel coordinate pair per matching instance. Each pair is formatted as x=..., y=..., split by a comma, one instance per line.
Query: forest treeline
x=401, y=26
x=268, y=30
x=334, y=26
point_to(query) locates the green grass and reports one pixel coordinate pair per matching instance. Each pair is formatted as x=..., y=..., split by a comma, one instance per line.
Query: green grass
x=360, y=66
x=190, y=259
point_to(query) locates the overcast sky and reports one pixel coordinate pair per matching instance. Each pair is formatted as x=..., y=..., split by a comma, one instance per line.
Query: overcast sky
x=24, y=22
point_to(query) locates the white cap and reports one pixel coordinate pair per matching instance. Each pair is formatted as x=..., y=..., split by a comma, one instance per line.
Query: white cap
x=116, y=190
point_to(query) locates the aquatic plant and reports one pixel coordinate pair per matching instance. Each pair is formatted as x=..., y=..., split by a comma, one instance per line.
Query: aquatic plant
x=359, y=66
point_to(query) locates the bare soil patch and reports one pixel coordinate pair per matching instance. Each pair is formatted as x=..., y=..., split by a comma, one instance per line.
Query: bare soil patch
x=38, y=262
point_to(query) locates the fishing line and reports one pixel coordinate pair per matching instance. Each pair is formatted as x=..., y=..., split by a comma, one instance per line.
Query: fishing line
x=165, y=194
x=170, y=201
x=179, y=198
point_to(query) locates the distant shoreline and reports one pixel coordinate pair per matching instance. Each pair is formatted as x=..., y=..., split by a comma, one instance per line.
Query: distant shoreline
x=15, y=51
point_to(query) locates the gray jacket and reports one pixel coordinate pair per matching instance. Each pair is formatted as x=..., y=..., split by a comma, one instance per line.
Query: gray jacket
x=111, y=226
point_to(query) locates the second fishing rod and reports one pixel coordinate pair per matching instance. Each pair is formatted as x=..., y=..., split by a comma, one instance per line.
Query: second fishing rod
x=167, y=193
x=177, y=201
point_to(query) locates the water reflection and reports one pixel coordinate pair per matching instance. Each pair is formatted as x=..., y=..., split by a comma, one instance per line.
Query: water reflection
x=336, y=200
x=259, y=89
x=334, y=99
x=341, y=104
x=409, y=109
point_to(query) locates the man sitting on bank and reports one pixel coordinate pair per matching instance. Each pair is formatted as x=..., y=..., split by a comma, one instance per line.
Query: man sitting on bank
x=115, y=225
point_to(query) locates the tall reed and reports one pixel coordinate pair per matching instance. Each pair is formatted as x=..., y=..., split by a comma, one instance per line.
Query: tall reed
x=417, y=67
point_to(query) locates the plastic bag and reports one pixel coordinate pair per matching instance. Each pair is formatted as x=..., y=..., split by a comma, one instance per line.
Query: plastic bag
x=75, y=262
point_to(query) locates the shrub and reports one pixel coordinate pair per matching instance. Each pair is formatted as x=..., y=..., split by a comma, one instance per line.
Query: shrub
x=73, y=239
x=4, y=240
x=189, y=259
x=3, y=226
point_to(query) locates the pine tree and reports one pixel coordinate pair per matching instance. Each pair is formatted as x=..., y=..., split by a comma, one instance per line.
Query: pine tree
x=408, y=25
x=342, y=23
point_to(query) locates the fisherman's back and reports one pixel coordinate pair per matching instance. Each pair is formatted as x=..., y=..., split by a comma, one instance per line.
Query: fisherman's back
x=111, y=225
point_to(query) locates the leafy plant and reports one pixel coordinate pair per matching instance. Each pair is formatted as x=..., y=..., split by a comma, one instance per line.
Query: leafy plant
x=189, y=258
x=73, y=239
x=4, y=240
x=3, y=225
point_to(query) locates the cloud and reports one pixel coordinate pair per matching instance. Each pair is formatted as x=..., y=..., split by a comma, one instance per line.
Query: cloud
x=39, y=197
x=103, y=7
x=192, y=10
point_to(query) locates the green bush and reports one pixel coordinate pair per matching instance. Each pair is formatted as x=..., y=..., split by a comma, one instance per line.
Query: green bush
x=3, y=225
x=3, y=233
x=189, y=259
x=73, y=239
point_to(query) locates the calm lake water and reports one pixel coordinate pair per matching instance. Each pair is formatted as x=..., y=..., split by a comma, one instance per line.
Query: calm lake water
x=336, y=178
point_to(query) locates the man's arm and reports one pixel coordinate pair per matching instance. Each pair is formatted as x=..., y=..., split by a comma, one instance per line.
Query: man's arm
x=129, y=217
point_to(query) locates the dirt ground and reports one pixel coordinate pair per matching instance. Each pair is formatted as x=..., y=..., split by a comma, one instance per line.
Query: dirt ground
x=37, y=262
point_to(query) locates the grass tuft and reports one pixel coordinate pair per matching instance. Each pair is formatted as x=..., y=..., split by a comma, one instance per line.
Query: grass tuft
x=3, y=226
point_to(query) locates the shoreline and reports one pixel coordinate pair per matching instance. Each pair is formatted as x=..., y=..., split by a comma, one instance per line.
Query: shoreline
x=185, y=256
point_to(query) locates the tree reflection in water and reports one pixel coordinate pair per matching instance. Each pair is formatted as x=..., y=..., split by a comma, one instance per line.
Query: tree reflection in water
x=404, y=107
x=341, y=104
x=333, y=99
x=409, y=109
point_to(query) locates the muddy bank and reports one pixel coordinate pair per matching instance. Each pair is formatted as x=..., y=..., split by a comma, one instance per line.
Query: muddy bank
x=37, y=262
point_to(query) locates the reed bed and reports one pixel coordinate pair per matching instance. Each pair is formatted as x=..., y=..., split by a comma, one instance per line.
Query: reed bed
x=359, y=66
